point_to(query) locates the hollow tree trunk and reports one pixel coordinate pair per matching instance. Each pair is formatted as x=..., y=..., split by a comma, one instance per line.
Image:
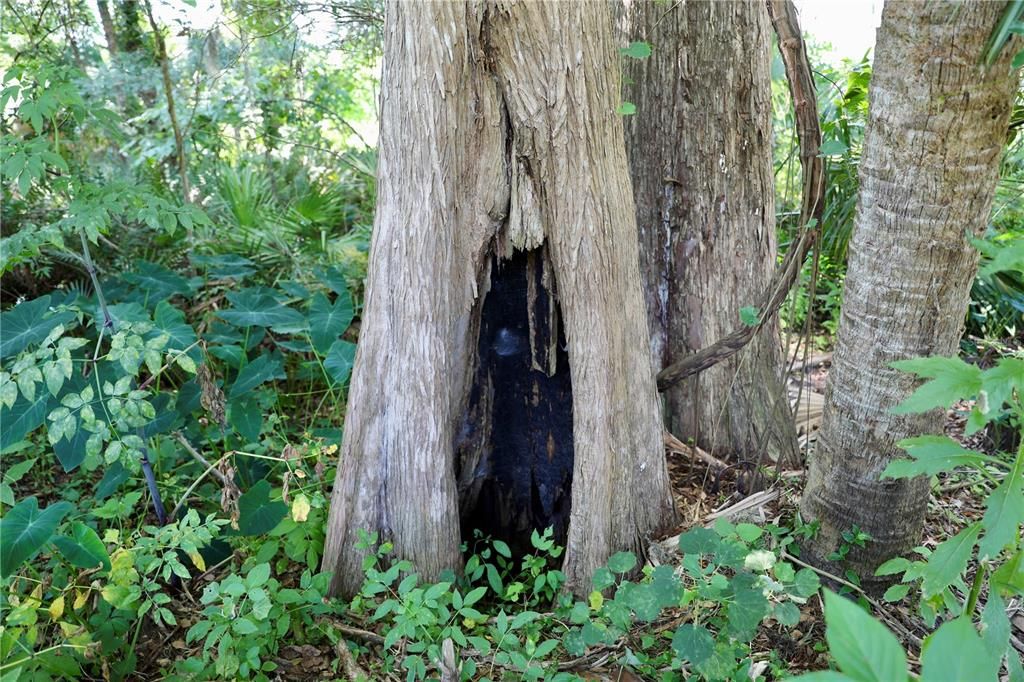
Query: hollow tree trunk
x=502, y=172
x=700, y=150
x=929, y=165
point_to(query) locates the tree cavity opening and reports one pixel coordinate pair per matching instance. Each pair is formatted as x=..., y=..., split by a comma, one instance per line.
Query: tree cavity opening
x=514, y=453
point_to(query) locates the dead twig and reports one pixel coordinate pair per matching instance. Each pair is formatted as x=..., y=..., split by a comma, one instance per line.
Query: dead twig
x=348, y=663
x=210, y=468
x=673, y=444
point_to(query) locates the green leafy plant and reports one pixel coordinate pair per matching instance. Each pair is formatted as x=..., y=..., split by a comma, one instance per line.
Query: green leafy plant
x=245, y=617
x=864, y=650
x=731, y=580
x=996, y=537
x=992, y=545
x=848, y=539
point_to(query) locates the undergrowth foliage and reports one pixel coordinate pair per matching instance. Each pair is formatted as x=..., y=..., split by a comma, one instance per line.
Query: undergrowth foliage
x=174, y=360
x=125, y=393
x=506, y=616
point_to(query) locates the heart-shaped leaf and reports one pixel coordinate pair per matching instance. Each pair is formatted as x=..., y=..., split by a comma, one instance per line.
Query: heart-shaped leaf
x=25, y=530
x=83, y=548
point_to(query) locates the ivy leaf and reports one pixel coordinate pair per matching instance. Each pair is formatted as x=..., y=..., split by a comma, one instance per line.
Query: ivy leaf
x=256, y=513
x=863, y=648
x=750, y=316
x=699, y=540
x=747, y=607
x=641, y=599
x=328, y=321
x=949, y=560
x=622, y=562
x=83, y=548
x=693, y=643
x=256, y=308
x=636, y=50
x=157, y=282
x=339, y=360
x=626, y=109
x=21, y=419
x=931, y=454
x=952, y=379
x=787, y=613
x=26, y=529
x=262, y=369
x=665, y=586
x=956, y=652
x=246, y=418
x=1004, y=514
x=28, y=323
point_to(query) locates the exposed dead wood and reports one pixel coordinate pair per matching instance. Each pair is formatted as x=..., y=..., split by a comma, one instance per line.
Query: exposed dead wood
x=353, y=672
x=752, y=502
x=801, y=87
x=809, y=411
x=447, y=665
x=816, y=360
x=673, y=444
x=670, y=545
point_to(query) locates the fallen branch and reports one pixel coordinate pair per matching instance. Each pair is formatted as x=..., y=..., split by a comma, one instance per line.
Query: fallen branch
x=670, y=546
x=673, y=444
x=801, y=87
x=348, y=663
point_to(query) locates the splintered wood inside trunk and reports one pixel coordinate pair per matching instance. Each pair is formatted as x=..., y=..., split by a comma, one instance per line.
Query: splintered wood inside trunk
x=514, y=453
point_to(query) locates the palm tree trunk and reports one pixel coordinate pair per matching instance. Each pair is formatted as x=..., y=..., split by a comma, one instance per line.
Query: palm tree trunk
x=930, y=160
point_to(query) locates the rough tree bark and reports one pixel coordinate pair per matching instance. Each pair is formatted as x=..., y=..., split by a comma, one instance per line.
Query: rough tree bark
x=700, y=148
x=165, y=73
x=928, y=169
x=499, y=137
x=107, y=22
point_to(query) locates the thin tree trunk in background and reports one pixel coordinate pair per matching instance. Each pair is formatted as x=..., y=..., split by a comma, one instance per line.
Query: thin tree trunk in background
x=499, y=136
x=700, y=150
x=929, y=165
x=165, y=72
x=107, y=22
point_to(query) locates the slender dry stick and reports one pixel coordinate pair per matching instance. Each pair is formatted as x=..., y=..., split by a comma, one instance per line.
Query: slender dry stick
x=211, y=468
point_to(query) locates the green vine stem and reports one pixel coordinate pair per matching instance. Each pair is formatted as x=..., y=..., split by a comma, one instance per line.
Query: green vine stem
x=108, y=324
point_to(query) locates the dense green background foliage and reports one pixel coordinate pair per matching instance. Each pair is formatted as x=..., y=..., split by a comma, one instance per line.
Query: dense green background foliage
x=184, y=239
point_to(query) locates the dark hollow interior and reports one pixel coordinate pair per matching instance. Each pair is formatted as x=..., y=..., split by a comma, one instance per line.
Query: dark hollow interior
x=521, y=416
